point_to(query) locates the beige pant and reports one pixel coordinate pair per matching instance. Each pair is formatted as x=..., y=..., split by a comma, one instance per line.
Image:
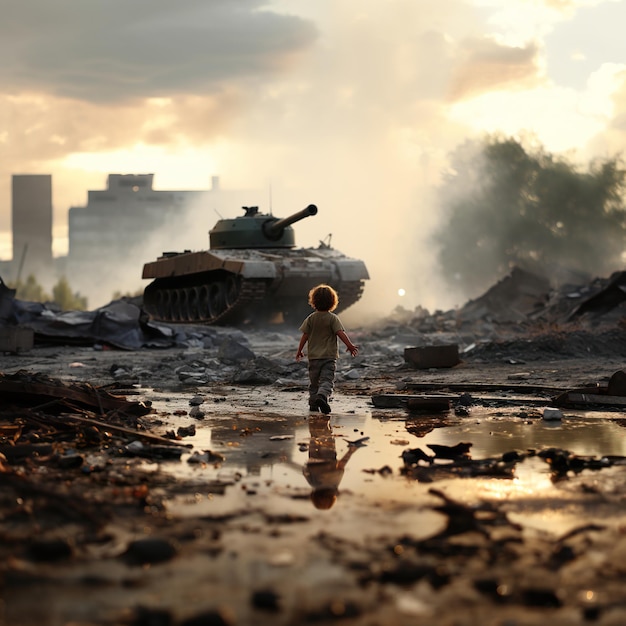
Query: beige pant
x=321, y=378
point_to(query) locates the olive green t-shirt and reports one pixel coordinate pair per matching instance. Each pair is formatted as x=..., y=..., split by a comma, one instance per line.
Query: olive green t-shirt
x=322, y=328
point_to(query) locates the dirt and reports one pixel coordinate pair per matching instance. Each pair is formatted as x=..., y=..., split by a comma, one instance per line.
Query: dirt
x=237, y=536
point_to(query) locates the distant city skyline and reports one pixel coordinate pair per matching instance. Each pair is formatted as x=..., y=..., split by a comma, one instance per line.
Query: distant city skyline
x=118, y=229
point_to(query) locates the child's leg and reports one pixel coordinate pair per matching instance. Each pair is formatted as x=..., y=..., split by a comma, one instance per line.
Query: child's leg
x=326, y=378
x=314, y=379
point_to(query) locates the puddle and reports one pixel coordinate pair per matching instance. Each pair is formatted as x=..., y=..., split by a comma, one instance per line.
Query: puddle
x=290, y=463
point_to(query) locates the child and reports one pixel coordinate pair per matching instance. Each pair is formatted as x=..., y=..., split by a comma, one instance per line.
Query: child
x=323, y=471
x=320, y=330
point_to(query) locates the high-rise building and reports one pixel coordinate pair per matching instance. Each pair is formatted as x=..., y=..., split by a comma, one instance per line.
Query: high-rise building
x=32, y=226
x=129, y=223
x=110, y=238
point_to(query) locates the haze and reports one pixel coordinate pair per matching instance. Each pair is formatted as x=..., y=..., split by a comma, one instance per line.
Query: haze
x=350, y=105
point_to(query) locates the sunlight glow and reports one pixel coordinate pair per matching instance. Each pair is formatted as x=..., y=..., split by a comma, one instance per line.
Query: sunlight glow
x=552, y=114
x=6, y=246
x=183, y=168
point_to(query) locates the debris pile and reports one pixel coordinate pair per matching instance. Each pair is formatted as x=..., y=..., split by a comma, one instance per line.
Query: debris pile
x=522, y=317
x=62, y=463
x=456, y=462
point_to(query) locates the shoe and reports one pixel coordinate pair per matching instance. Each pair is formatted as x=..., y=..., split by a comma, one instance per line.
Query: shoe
x=322, y=405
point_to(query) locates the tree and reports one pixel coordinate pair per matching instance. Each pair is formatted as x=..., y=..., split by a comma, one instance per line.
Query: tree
x=504, y=206
x=30, y=291
x=63, y=297
x=119, y=295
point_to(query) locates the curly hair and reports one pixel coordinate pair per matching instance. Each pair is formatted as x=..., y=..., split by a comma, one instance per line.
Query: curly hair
x=323, y=298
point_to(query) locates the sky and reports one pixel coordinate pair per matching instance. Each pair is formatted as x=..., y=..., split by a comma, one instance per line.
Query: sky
x=353, y=105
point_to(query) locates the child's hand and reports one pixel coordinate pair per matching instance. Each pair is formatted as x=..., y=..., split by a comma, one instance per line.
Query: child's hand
x=299, y=356
x=353, y=350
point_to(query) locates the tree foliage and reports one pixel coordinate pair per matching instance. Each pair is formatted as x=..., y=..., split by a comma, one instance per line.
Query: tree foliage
x=62, y=295
x=30, y=290
x=65, y=299
x=119, y=295
x=505, y=206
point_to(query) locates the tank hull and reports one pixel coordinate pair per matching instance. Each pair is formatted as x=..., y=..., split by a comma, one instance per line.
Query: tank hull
x=233, y=286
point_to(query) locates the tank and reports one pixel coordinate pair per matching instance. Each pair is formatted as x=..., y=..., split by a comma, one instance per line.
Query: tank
x=251, y=272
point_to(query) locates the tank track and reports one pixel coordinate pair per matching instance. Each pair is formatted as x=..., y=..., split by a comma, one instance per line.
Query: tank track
x=251, y=291
x=230, y=300
x=207, y=303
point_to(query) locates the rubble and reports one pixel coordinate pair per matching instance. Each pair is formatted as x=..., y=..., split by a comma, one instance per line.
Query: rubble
x=171, y=488
x=432, y=356
x=16, y=339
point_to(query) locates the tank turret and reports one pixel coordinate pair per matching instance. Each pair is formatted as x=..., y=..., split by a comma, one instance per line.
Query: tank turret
x=257, y=230
x=252, y=271
x=274, y=229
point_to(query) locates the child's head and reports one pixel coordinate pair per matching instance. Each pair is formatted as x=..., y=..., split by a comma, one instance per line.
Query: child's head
x=323, y=298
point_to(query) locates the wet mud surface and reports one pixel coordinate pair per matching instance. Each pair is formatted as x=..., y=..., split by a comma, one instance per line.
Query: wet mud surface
x=259, y=512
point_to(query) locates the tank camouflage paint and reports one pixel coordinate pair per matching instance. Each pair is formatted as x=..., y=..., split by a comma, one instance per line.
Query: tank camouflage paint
x=252, y=272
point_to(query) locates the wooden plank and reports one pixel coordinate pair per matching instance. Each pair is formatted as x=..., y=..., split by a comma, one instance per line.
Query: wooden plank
x=590, y=400
x=396, y=400
x=33, y=390
x=123, y=430
x=518, y=388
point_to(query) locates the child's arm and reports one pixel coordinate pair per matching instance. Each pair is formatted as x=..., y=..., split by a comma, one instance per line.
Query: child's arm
x=352, y=349
x=303, y=340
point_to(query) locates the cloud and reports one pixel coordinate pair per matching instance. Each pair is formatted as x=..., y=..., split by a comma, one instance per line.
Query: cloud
x=579, y=46
x=489, y=66
x=111, y=50
x=349, y=104
x=612, y=141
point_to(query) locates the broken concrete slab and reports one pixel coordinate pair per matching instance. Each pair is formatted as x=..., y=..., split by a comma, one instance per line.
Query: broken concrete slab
x=617, y=384
x=512, y=299
x=425, y=357
x=609, y=296
x=15, y=339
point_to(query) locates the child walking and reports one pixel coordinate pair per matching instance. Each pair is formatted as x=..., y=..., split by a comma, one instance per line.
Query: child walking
x=320, y=330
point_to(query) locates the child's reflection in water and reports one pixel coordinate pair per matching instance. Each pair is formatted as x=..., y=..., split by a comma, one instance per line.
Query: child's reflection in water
x=323, y=471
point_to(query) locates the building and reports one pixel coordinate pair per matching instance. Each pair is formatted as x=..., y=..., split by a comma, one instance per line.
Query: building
x=31, y=215
x=129, y=223
x=110, y=238
x=115, y=218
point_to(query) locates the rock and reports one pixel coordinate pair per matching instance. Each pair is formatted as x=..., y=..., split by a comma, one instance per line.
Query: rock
x=551, y=413
x=197, y=413
x=186, y=431
x=231, y=351
x=49, y=550
x=208, y=456
x=210, y=618
x=149, y=550
x=265, y=600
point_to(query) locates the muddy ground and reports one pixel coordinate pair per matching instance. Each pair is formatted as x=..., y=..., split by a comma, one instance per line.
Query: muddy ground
x=236, y=521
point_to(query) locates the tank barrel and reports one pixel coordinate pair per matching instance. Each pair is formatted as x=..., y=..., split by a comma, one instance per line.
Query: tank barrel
x=274, y=229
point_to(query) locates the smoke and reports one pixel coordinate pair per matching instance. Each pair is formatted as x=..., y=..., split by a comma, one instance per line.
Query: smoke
x=186, y=228
x=348, y=105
